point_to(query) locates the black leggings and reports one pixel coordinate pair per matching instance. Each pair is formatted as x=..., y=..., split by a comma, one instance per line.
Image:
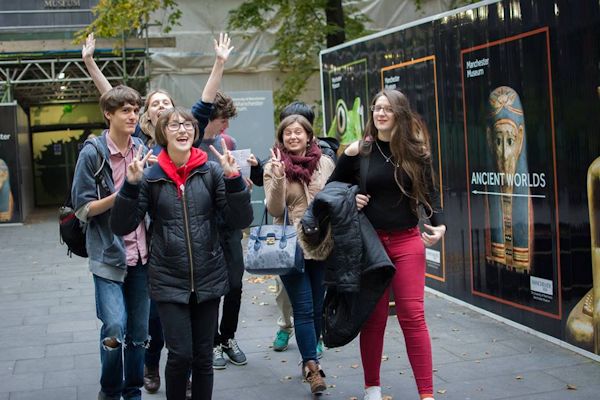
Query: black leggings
x=189, y=330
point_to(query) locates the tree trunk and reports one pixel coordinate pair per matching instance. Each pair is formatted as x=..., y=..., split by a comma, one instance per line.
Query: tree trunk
x=334, y=13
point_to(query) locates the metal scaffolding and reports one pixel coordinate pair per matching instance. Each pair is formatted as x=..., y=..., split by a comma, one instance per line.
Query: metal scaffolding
x=64, y=79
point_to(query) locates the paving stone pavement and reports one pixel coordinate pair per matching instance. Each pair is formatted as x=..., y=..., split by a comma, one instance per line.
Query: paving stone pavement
x=49, y=341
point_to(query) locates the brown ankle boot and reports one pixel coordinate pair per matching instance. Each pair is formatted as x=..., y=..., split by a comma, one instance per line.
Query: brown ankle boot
x=151, y=379
x=314, y=376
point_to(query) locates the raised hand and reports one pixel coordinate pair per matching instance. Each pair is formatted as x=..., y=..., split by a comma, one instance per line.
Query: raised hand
x=277, y=165
x=135, y=170
x=222, y=47
x=87, y=51
x=434, y=235
x=227, y=161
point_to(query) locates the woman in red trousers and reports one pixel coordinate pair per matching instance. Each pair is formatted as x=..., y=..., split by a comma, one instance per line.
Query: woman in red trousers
x=399, y=183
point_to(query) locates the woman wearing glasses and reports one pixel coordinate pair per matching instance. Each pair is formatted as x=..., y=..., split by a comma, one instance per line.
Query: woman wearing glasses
x=184, y=194
x=399, y=183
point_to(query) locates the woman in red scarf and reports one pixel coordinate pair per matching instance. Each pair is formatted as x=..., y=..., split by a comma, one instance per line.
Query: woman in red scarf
x=184, y=194
x=292, y=178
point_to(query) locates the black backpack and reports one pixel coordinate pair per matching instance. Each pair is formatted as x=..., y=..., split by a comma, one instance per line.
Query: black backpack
x=71, y=229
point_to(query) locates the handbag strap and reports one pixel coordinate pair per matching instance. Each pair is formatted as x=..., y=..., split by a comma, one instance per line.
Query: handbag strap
x=285, y=223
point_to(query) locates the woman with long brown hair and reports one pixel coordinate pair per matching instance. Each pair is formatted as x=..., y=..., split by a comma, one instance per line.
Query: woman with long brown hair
x=399, y=183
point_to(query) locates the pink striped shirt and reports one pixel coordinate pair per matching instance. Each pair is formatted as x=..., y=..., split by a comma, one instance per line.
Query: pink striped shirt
x=135, y=242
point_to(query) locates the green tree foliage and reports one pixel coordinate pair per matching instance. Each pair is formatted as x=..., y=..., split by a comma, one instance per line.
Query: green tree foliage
x=303, y=29
x=122, y=18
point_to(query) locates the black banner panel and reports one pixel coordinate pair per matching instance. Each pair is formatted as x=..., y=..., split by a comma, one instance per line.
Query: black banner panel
x=510, y=94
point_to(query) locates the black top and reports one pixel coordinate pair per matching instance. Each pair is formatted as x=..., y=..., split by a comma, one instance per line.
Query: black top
x=388, y=208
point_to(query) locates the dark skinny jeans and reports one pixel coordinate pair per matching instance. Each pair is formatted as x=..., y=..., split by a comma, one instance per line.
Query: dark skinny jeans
x=189, y=330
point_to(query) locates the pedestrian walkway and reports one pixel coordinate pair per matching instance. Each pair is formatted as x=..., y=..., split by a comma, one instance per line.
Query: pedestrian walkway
x=49, y=342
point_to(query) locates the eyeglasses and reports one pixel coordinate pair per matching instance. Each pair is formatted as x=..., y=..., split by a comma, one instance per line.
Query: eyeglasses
x=386, y=110
x=174, y=126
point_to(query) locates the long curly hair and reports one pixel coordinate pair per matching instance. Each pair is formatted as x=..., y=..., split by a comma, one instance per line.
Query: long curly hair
x=410, y=147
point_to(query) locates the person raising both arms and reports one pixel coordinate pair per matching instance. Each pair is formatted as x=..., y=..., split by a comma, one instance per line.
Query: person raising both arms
x=399, y=183
x=159, y=100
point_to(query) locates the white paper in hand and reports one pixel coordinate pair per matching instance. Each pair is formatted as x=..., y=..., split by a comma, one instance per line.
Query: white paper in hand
x=241, y=156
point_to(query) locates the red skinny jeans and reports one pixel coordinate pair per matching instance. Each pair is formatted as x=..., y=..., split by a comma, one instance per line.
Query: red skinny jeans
x=407, y=252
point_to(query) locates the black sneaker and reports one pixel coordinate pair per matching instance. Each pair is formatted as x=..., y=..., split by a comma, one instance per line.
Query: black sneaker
x=233, y=351
x=219, y=362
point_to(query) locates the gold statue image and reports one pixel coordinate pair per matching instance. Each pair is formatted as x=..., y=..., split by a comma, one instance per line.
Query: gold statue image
x=583, y=324
x=509, y=211
x=6, y=197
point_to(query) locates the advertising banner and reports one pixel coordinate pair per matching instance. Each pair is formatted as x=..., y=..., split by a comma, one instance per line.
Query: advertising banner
x=10, y=201
x=507, y=94
x=510, y=94
x=348, y=101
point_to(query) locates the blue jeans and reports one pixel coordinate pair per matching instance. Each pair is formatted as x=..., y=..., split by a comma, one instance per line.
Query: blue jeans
x=123, y=308
x=306, y=292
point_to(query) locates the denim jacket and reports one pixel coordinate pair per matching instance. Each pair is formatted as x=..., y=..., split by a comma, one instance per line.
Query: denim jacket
x=106, y=251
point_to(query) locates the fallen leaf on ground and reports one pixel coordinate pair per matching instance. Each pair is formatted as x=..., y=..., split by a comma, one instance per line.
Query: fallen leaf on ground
x=387, y=398
x=384, y=358
x=571, y=387
x=353, y=398
x=330, y=386
x=519, y=377
x=441, y=391
x=354, y=366
x=259, y=279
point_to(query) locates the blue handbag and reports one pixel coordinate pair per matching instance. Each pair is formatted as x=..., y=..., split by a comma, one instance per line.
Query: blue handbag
x=273, y=249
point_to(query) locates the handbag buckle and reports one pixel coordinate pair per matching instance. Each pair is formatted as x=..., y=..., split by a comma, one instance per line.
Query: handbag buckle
x=270, y=239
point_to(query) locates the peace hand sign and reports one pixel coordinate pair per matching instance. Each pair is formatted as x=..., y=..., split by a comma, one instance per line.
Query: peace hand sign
x=87, y=51
x=135, y=170
x=222, y=47
x=228, y=163
x=277, y=165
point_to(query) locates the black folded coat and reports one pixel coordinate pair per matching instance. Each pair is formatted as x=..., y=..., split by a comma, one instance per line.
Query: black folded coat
x=358, y=270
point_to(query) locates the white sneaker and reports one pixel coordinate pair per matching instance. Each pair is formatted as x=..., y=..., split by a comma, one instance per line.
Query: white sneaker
x=373, y=393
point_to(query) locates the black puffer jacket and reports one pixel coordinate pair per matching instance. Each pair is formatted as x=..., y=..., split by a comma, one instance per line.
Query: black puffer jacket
x=185, y=255
x=358, y=270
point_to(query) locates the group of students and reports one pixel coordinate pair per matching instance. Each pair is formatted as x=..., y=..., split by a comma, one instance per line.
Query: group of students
x=167, y=223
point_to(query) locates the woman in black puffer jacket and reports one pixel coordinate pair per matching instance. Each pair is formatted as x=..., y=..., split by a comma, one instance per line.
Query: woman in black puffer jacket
x=184, y=194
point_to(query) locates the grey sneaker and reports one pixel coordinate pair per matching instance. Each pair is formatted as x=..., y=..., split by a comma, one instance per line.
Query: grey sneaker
x=219, y=362
x=235, y=354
